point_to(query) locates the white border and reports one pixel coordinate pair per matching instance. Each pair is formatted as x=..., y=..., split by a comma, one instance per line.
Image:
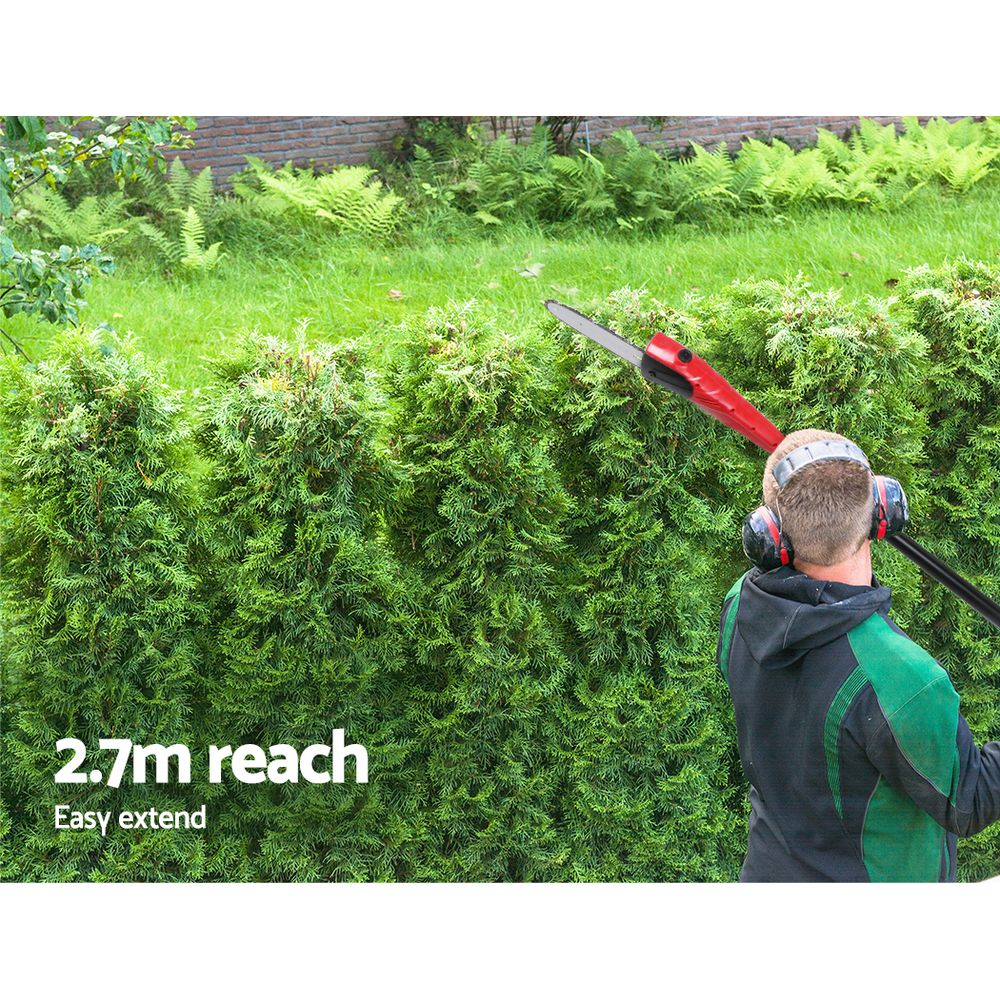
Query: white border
x=728, y=57
x=497, y=940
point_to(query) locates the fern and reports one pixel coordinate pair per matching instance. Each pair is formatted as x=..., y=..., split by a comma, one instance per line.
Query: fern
x=187, y=250
x=353, y=202
x=249, y=188
x=581, y=192
x=350, y=199
x=196, y=256
x=957, y=153
x=968, y=166
x=100, y=219
x=798, y=177
x=178, y=207
x=511, y=181
x=637, y=180
x=704, y=182
x=173, y=192
x=168, y=250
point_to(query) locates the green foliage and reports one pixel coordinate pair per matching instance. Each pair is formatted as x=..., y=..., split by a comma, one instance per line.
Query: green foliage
x=509, y=181
x=348, y=199
x=33, y=153
x=186, y=250
x=650, y=791
x=504, y=579
x=955, y=310
x=49, y=284
x=309, y=612
x=178, y=205
x=163, y=195
x=480, y=523
x=252, y=237
x=581, y=187
x=100, y=219
x=637, y=181
x=632, y=186
x=100, y=607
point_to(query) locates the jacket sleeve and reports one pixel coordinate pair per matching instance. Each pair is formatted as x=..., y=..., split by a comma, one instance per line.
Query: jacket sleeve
x=924, y=749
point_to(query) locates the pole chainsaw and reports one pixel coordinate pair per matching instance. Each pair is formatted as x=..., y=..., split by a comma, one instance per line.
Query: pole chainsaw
x=667, y=363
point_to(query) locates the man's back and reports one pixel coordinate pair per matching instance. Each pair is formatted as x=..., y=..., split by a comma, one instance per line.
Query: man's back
x=860, y=764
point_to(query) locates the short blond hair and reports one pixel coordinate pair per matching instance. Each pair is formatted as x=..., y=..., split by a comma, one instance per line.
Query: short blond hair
x=826, y=508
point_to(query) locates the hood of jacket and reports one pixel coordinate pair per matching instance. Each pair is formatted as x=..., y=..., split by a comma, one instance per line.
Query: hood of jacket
x=783, y=614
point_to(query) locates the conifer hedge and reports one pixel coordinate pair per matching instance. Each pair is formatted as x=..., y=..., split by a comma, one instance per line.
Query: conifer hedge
x=101, y=604
x=497, y=564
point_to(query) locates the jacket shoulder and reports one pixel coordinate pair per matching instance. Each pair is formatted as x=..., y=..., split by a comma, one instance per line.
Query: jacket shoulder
x=897, y=668
x=735, y=589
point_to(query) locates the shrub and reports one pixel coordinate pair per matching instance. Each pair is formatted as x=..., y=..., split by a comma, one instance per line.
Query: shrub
x=504, y=580
x=481, y=522
x=310, y=614
x=954, y=308
x=650, y=792
x=99, y=603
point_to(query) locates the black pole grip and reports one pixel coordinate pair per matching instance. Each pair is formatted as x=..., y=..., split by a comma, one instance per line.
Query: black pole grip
x=946, y=576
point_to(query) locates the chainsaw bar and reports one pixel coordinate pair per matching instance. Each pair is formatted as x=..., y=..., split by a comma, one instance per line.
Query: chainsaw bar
x=597, y=333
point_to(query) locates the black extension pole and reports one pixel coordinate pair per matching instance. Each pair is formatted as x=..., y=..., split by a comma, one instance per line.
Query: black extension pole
x=945, y=575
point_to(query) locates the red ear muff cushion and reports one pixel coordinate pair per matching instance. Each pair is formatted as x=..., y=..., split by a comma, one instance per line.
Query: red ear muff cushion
x=881, y=521
x=775, y=531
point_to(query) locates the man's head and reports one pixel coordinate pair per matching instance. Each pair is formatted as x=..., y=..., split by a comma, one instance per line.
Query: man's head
x=826, y=508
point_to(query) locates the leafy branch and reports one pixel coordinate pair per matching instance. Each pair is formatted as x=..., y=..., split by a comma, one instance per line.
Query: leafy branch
x=50, y=283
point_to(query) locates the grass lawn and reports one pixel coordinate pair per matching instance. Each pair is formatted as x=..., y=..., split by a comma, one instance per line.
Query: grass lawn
x=347, y=290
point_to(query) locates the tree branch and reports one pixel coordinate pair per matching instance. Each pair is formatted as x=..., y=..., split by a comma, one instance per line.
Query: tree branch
x=15, y=344
x=34, y=180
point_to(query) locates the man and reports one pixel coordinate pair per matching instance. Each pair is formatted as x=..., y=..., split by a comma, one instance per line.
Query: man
x=860, y=764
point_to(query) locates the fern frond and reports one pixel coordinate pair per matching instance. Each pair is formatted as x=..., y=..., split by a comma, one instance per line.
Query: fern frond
x=169, y=251
x=192, y=232
x=201, y=192
x=100, y=219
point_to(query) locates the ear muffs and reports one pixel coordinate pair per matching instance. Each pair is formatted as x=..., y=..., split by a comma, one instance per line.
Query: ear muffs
x=890, y=509
x=766, y=545
x=763, y=541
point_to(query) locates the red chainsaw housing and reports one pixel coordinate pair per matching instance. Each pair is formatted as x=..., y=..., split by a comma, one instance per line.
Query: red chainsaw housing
x=712, y=393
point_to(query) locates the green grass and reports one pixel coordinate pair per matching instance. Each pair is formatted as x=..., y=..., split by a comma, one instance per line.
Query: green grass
x=343, y=290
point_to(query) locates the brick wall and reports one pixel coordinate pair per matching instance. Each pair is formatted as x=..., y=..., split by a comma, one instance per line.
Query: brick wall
x=677, y=133
x=223, y=142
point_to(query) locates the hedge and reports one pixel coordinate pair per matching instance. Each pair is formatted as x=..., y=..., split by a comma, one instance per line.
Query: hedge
x=497, y=564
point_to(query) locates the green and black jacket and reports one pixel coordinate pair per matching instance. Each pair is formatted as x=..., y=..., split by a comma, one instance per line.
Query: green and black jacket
x=861, y=767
